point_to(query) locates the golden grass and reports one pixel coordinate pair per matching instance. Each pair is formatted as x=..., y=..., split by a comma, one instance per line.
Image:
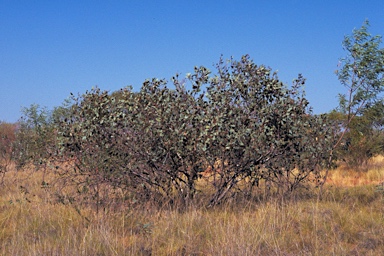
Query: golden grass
x=346, y=177
x=349, y=220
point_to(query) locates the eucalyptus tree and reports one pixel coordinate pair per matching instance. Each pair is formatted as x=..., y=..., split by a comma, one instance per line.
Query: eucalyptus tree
x=361, y=72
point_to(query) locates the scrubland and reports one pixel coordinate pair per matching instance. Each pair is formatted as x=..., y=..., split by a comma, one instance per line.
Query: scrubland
x=346, y=219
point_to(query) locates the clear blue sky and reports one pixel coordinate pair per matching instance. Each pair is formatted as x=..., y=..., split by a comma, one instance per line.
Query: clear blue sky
x=51, y=48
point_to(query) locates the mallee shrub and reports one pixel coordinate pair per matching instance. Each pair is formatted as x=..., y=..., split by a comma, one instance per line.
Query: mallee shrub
x=241, y=122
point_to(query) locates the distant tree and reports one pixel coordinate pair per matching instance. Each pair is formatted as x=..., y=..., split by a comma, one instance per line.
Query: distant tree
x=35, y=138
x=364, y=138
x=361, y=72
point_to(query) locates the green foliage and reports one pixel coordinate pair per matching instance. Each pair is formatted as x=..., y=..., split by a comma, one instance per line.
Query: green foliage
x=364, y=138
x=360, y=112
x=35, y=137
x=361, y=71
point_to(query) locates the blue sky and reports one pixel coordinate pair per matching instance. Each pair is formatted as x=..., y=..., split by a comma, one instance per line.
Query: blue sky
x=51, y=48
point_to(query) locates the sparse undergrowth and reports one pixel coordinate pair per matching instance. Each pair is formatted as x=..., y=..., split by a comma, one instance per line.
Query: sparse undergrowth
x=347, y=221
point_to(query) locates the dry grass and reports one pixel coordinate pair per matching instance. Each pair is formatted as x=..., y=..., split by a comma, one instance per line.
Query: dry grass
x=345, y=177
x=349, y=220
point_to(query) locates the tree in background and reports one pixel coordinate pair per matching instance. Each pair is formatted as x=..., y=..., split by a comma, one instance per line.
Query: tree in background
x=35, y=137
x=361, y=107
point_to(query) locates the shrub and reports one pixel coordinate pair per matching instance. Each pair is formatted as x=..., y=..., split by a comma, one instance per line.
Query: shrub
x=242, y=123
